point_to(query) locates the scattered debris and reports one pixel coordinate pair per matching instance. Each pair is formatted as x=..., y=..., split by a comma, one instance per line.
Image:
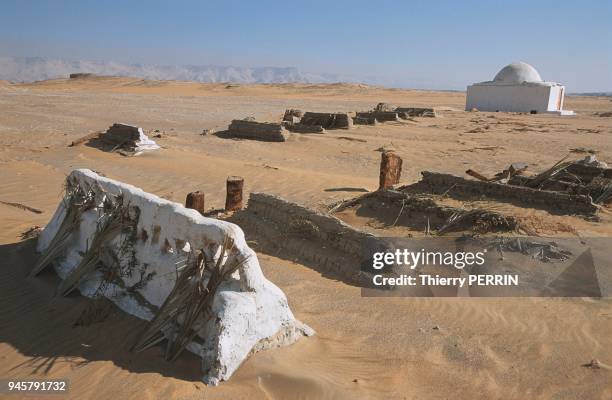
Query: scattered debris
x=594, y=364
x=351, y=139
x=386, y=147
x=477, y=175
x=406, y=112
x=583, y=150
x=413, y=209
x=545, y=252
x=488, y=148
x=22, y=207
x=266, y=131
x=482, y=221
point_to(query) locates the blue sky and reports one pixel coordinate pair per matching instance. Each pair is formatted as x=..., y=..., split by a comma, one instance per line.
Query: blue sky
x=438, y=44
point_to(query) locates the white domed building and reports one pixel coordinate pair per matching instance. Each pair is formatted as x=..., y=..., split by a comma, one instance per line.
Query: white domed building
x=517, y=87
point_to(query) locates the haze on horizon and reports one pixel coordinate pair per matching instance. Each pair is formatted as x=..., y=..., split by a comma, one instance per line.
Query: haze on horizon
x=441, y=45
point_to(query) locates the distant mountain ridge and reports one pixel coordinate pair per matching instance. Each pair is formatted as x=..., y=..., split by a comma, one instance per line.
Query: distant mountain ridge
x=29, y=69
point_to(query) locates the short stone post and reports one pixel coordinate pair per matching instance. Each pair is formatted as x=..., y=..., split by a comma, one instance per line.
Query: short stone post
x=195, y=200
x=390, y=170
x=233, y=200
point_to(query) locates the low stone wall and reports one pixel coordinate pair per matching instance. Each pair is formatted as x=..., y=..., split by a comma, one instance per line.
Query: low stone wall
x=110, y=239
x=554, y=202
x=380, y=116
x=587, y=172
x=369, y=120
x=336, y=248
x=301, y=128
x=77, y=75
x=292, y=115
x=328, y=120
x=266, y=131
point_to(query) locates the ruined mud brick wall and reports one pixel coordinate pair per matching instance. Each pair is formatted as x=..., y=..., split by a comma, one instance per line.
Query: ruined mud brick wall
x=337, y=248
x=554, y=202
x=119, y=134
x=379, y=116
x=127, y=137
x=328, y=120
x=594, y=182
x=301, y=128
x=586, y=172
x=369, y=120
x=415, y=112
x=249, y=314
x=292, y=115
x=267, y=131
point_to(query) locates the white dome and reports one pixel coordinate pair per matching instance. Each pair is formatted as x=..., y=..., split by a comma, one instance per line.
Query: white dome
x=518, y=72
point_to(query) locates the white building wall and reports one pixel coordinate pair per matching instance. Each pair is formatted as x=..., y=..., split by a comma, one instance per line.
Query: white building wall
x=554, y=103
x=513, y=98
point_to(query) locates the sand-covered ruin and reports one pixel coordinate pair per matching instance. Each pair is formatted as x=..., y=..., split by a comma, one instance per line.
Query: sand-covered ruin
x=312, y=188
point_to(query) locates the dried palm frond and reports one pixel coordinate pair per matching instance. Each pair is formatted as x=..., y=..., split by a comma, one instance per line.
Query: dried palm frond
x=483, y=220
x=77, y=200
x=542, y=177
x=605, y=194
x=189, y=298
x=109, y=226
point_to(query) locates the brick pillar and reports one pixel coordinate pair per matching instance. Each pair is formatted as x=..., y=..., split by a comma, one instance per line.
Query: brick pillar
x=233, y=200
x=390, y=170
x=195, y=200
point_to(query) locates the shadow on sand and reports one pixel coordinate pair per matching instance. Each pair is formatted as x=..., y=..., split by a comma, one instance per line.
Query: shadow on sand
x=41, y=326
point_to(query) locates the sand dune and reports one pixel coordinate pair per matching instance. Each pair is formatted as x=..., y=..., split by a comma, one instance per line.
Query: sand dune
x=365, y=347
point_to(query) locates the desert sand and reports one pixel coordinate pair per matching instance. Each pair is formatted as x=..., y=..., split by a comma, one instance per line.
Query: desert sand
x=407, y=348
